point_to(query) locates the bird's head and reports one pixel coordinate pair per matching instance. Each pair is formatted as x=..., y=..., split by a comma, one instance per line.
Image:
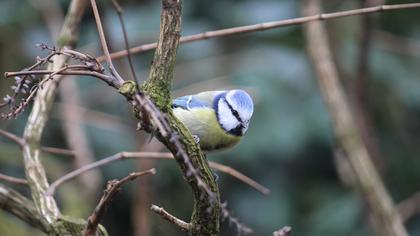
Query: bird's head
x=234, y=109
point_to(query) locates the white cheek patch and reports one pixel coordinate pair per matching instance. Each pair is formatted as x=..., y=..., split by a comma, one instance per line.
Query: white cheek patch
x=226, y=119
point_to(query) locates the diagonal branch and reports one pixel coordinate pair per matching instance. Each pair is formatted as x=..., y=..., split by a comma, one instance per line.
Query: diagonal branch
x=112, y=189
x=39, y=115
x=151, y=155
x=20, y=142
x=267, y=26
x=367, y=179
x=12, y=179
x=167, y=216
x=119, y=10
x=18, y=205
x=285, y=231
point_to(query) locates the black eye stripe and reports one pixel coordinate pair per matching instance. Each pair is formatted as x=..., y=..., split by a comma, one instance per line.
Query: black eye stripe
x=234, y=112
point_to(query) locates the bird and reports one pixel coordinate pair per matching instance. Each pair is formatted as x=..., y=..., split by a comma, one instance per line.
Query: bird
x=216, y=119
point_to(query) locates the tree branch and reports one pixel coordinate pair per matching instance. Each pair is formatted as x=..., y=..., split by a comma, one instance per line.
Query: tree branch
x=409, y=207
x=113, y=187
x=38, y=117
x=241, y=229
x=368, y=182
x=167, y=216
x=266, y=26
x=13, y=180
x=285, y=231
x=151, y=155
x=19, y=141
x=206, y=213
x=18, y=205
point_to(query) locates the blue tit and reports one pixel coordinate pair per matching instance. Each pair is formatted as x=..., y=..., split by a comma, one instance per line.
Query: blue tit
x=218, y=119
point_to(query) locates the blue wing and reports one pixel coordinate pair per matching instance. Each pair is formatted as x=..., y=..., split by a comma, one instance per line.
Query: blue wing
x=189, y=102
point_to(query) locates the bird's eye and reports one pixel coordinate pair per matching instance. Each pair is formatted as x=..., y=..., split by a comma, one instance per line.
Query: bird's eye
x=235, y=113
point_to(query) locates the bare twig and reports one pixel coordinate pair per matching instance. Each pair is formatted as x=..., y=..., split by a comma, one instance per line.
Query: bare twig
x=368, y=181
x=229, y=170
x=241, y=229
x=88, y=66
x=285, y=231
x=266, y=26
x=409, y=207
x=103, y=40
x=13, y=180
x=167, y=216
x=12, y=137
x=106, y=78
x=20, y=206
x=113, y=187
x=20, y=142
x=60, y=151
x=127, y=45
x=150, y=155
x=35, y=173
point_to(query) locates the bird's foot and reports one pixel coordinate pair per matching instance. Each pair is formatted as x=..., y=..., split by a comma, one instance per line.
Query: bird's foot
x=196, y=138
x=215, y=176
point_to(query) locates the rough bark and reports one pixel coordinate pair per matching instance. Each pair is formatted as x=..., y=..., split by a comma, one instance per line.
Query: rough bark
x=206, y=213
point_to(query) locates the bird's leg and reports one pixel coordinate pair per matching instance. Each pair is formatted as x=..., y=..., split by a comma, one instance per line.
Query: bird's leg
x=139, y=126
x=215, y=176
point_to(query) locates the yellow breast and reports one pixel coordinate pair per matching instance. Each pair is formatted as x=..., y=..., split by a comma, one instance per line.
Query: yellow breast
x=203, y=123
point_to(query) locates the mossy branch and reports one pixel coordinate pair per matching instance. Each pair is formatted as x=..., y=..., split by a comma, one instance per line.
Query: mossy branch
x=20, y=206
x=206, y=213
x=35, y=172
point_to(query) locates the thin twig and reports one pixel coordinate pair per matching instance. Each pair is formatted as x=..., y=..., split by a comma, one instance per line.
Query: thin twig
x=20, y=142
x=285, y=231
x=150, y=155
x=103, y=40
x=20, y=206
x=13, y=180
x=167, y=216
x=229, y=170
x=127, y=45
x=34, y=169
x=241, y=229
x=266, y=26
x=60, y=151
x=12, y=137
x=105, y=78
x=409, y=207
x=113, y=187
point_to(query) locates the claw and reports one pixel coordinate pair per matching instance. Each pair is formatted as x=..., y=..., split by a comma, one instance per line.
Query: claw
x=196, y=138
x=139, y=126
x=215, y=176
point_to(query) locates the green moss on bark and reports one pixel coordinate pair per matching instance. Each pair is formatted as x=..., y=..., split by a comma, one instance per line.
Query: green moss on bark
x=205, y=219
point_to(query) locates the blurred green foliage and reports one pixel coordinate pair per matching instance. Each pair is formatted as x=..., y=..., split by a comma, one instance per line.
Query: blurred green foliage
x=289, y=146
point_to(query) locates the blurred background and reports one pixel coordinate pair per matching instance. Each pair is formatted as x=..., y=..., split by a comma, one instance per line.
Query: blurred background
x=289, y=147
